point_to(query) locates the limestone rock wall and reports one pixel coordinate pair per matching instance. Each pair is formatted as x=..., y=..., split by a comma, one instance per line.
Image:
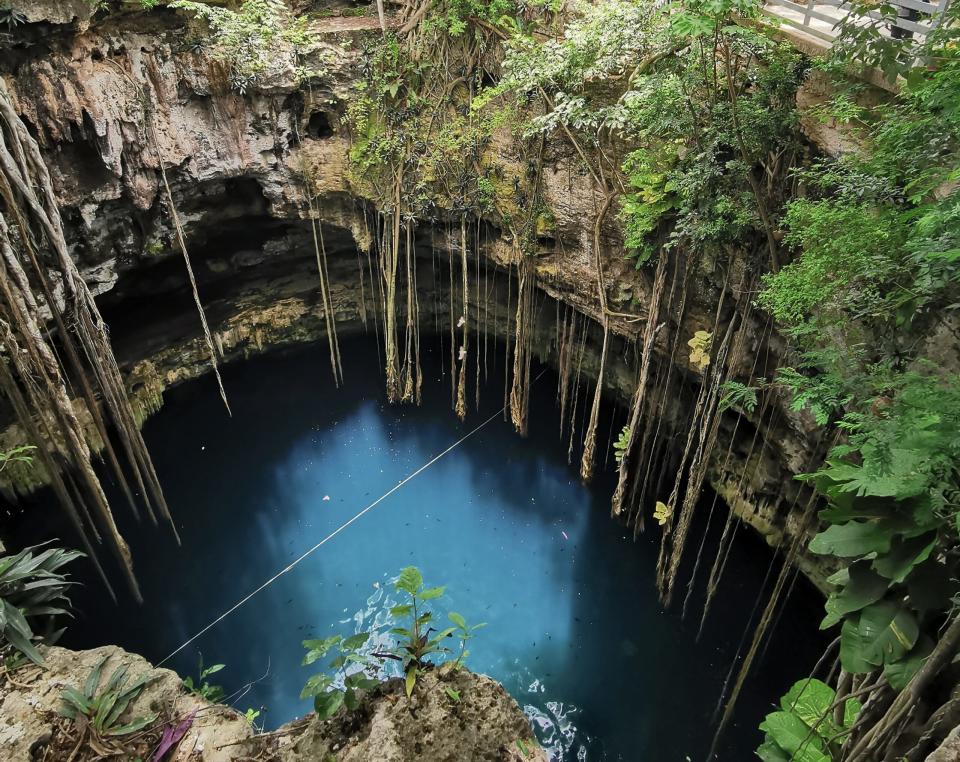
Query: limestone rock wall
x=113, y=98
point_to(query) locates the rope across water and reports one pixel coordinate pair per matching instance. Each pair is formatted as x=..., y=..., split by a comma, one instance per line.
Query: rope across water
x=329, y=537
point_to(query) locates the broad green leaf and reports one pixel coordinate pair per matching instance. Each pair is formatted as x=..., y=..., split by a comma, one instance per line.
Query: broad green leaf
x=316, y=685
x=23, y=645
x=851, y=709
x=792, y=735
x=855, y=538
x=432, y=592
x=401, y=610
x=832, y=616
x=410, y=580
x=865, y=587
x=351, y=699
x=410, y=681
x=904, y=555
x=883, y=633
x=458, y=620
x=327, y=704
x=768, y=751
x=355, y=641
x=839, y=578
x=322, y=646
x=132, y=727
x=361, y=681
x=76, y=700
x=810, y=699
x=900, y=672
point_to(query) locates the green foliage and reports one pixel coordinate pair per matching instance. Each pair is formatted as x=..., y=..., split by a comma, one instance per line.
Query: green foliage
x=464, y=633
x=733, y=394
x=10, y=16
x=418, y=639
x=642, y=210
x=804, y=728
x=892, y=503
x=33, y=592
x=202, y=687
x=101, y=708
x=850, y=260
x=625, y=73
x=355, y=669
x=455, y=17
x=622, y=443
x=877, y=239
x=22, y=454
x=260, y=36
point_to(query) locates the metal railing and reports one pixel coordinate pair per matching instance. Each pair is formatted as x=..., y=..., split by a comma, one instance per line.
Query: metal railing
x=915, y=18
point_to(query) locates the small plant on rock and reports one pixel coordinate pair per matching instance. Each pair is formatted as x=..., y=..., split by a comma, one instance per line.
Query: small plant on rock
x=418, y=639
x=464, y=632
x=202, y=687
x=353, y=671
x=11, y=17
x=99, y=709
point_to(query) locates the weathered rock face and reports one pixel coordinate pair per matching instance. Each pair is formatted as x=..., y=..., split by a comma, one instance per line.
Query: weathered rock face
x=114, y=99
x=30, y=700
x=484, y=724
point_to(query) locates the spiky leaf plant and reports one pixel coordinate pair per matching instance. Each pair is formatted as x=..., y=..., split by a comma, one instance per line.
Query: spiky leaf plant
x=100, y=709
x=32, y=594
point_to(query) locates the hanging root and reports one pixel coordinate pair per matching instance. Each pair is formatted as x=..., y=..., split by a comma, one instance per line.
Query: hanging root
x=649, y=337
x=32, y=376
x=716, y=497
x=700, y=422
x=388, y=262
x=320, y=250
x=759, y=633
x=708, y=439
x=181, y=241
x=726, y=538
x=590, y=439
x=523, y=351
x=462, y=354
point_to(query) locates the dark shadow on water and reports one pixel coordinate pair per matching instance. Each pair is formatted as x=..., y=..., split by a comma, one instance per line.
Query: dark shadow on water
x=575, y=631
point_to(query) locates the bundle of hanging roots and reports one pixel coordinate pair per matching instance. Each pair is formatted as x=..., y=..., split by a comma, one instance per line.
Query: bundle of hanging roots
x=57, y=368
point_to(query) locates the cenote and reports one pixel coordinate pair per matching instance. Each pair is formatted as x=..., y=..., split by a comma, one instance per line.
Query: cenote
x=630, y=324
x=575, y=631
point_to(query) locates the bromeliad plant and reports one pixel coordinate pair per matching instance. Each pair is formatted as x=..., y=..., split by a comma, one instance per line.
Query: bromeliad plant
x=33, y=592
x=99, y=709
x=355, y=668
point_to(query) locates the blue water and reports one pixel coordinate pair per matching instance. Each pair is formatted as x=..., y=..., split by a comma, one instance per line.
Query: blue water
x=574, y=628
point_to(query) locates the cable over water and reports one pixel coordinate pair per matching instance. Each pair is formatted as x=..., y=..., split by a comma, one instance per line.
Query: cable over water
x=329, y=537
